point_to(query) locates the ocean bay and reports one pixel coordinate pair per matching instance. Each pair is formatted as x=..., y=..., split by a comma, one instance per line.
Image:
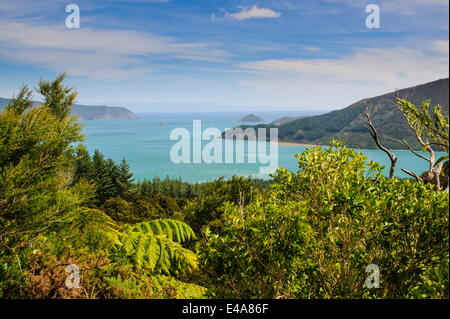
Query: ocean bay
x=145, y=143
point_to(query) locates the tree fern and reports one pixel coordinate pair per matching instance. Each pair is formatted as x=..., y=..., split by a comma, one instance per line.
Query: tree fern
x=173, y=229
x=89, y=225
x=155, y=246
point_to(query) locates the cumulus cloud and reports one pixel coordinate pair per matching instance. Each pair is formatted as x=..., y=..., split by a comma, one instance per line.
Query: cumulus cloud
x=94, y=52
x=252, y=13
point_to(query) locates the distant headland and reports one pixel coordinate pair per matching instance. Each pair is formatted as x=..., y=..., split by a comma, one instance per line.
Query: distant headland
x=102, y=112
x=93, y=112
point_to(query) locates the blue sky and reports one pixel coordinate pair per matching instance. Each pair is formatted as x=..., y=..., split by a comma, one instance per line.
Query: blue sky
x=224, y=55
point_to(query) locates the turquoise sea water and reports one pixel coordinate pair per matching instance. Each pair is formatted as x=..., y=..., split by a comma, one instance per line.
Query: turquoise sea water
x=146, y=145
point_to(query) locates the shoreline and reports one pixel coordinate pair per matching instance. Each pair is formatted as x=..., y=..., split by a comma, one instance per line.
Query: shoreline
x=283, y=143
x=294, y=144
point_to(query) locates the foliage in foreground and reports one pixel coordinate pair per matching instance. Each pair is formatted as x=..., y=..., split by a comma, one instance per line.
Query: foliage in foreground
x=311, y=235
x=316, y=232
x=49, y=216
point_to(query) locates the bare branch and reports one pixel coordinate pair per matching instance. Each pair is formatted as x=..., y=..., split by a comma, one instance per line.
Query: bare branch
x=418, y=178
x=404, y=142
x=438, y=144
x=373, y=132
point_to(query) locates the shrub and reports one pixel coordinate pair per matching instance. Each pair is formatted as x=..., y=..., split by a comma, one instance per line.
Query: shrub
x=319, y=228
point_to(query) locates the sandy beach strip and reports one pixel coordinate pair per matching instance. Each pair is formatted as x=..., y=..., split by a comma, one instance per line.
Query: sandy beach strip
x=293, y=144
x=284, y=143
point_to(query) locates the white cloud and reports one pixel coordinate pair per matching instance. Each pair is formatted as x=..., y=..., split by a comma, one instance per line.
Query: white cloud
x=440, y=46
x=334, y=83
x=253, y=13
x=391, y=65
x=93, y=52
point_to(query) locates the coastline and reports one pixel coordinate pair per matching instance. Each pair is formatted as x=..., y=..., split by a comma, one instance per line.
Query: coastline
x=283, y=143
x=293, y=144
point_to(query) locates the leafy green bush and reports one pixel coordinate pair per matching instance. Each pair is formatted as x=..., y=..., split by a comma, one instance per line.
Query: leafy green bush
x=206, y=208
x=316, y=232
x=153, y=287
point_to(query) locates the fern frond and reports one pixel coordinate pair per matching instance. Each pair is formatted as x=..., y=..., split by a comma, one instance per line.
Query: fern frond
x=88, y=223
x=156, y=253
x=173, y=229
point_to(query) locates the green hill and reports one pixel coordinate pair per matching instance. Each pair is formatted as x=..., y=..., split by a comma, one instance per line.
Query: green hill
x=286, y=119
x=349, y=123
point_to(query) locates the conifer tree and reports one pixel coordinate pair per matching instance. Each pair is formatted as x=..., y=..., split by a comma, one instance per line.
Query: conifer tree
x=57, y=97
x=124, y=180
x=84, y=167
x=35, y=163
x=103, y=178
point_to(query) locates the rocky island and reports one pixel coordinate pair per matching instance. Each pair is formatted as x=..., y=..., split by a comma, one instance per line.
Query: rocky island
x=251, y=118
